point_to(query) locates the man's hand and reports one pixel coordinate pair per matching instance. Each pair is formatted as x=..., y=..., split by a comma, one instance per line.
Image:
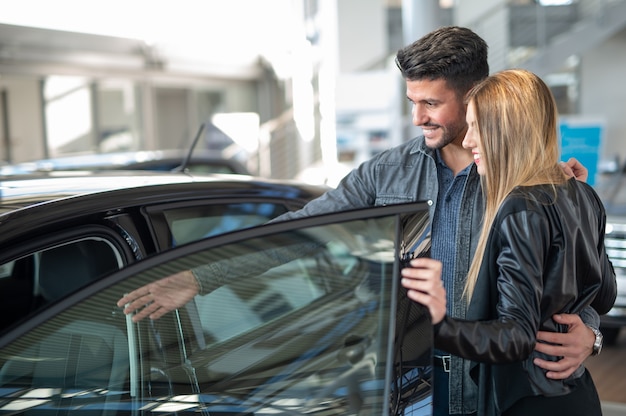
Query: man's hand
x=574, y=346
x=573, y=168
x=158, y=298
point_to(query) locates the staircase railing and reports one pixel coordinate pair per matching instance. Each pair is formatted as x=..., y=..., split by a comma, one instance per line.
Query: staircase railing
x=540, y=37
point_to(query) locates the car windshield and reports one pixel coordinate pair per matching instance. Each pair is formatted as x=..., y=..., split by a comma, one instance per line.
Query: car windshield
x=292, y=320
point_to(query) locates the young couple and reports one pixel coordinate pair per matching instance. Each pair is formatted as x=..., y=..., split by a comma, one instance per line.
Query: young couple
x=538, y=235
x=540, y=253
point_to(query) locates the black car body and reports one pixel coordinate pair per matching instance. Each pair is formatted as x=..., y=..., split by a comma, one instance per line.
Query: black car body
x=322, y=328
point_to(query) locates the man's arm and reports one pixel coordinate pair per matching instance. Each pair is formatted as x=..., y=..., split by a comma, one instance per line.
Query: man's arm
x=155, y=299
x=574, y=346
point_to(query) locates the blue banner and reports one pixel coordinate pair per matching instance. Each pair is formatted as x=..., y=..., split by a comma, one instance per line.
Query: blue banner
x=582, y=139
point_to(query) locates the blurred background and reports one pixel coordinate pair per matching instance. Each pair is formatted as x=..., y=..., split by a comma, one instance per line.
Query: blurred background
x=302, y=89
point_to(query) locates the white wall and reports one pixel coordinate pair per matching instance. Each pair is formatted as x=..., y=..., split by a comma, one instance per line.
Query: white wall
x=603, y=91
x=25, y=118
x=362, y=33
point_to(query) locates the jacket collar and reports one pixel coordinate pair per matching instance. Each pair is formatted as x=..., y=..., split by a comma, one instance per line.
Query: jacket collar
x=419, y=146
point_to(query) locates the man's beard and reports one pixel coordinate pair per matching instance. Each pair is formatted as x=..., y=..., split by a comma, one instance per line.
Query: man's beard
x=448, y=135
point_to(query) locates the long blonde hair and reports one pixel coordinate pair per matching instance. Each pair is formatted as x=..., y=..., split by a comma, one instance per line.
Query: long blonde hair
x=516, y=118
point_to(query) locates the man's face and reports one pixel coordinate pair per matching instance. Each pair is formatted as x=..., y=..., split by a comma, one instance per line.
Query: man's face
x=438, y=111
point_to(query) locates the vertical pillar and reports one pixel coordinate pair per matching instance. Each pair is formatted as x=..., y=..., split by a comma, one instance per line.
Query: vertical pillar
x=6, y=131
x=418, y=18
x=44, y=119
x=148, y=104
x=96, y=130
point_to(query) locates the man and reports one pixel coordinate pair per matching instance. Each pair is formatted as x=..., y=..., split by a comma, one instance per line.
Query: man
x=438, y=69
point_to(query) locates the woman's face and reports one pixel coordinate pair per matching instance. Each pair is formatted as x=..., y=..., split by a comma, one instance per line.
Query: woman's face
x=472, y=138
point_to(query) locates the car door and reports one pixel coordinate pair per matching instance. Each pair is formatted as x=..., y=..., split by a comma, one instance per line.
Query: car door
x=296, y=317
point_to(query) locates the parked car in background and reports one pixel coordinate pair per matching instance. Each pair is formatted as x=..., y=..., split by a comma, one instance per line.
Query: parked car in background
x=318, y=331
x=612, y=190
x=157, y=160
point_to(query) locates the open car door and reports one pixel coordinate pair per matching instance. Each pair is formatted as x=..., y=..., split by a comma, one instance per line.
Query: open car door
x=296, y=317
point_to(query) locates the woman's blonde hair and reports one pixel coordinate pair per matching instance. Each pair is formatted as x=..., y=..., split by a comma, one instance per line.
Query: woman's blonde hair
x=516, y=118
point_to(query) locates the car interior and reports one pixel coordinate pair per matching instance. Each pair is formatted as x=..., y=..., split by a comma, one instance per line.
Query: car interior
x=47, y=275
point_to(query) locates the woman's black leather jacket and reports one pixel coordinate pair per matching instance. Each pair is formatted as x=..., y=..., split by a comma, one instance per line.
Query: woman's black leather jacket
x=545, y=255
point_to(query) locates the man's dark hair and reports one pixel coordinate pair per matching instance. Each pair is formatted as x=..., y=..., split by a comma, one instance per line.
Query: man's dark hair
x=455, y=54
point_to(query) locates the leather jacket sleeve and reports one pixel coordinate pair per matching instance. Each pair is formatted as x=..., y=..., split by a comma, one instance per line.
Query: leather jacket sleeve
x=607, y=294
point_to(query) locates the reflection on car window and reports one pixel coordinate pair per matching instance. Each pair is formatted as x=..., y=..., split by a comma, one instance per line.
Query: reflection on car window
x=310, y=273
x=48, y=275
x=307, y=330
x=195, y=223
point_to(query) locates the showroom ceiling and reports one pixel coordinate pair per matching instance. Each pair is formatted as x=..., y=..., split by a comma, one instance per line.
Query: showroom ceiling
x=211, y=38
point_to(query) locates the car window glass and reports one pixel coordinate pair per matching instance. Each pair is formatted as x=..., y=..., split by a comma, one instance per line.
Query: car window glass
x=237, y=307
x=195, y=223
x=45, y=276
x=297, y=322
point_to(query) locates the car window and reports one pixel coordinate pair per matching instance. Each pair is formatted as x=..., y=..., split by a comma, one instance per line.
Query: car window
x=237, y=307
x=293, y=319
x=188, y=224
x=44, y=276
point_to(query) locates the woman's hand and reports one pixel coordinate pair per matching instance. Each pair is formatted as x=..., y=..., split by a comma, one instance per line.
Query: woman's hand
x=423, y=281
x=574, y=169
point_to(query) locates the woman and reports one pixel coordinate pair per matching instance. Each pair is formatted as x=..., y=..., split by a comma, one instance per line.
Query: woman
x=541, y=252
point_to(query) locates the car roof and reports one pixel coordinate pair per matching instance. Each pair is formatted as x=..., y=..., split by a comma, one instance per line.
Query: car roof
x=21, y=191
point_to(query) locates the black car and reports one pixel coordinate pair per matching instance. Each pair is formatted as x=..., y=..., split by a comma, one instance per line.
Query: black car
x=114, y=219
x=308, y=317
